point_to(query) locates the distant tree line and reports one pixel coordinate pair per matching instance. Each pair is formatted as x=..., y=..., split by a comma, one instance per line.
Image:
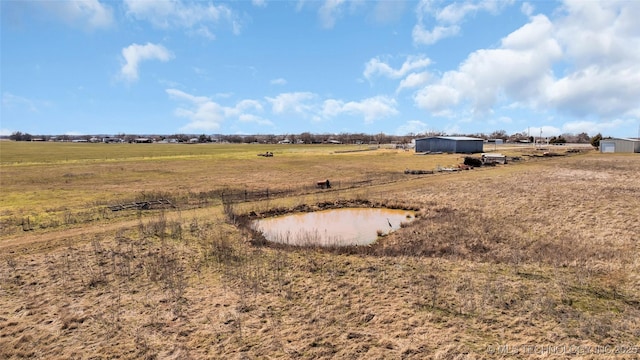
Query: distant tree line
x=308, y=138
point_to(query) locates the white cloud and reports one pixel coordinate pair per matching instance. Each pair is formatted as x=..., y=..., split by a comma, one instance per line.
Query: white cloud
x=500, y=120
x=413, y=127
x=437, y=99
x=245, y=105
x=594, y=43
x=259, y=3
x=608, y=92
x=329, y=12
x=376, y=66
x=546, y=131
x=527, y=8
x=279, y=81
x=10, y=101
x=207, y=115
x=422, y=36
x=520, y=69
x=178, y=13
x=135, y=53
x=594, y=127
x=296, y=102
x=602, y=45
x=250, y=118
x=310, y=106
x=204, y=32
x=87, y=13
x=5, y=132
x=370, y=109
x=385, y=12
x=447, y=20
x=456, y=12
x=413, y=80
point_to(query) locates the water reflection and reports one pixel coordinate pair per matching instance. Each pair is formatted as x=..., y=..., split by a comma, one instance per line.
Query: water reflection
x=337, y=227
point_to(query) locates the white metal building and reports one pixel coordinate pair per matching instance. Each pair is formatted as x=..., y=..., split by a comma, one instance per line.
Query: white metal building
x=620, y=145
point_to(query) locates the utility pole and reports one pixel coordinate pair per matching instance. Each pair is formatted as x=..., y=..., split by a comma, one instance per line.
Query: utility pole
x=540, y=138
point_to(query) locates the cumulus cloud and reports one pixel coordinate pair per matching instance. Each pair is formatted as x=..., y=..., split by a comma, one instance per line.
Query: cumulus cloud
x=251, y=118
x=207, y=115
x=308, y=105
x=457, y=11
x=414, y=80
x=595, y=46
x=413, y=127
x=134, y=54
x=521, y=68
x=594, y=127
x=183, y=14
x=608, y=92
x=385, y=12
x=428, y=37
x=602, y=42
x=295, y=102
x=278, y=81
x=259, y=3
x=377, y=67
x=370, y=109
x=527, y=8
x=329, y=12
x=202, y=31
x=447, y=19
x=438, y=99
x=91, y=14
x=500, y=120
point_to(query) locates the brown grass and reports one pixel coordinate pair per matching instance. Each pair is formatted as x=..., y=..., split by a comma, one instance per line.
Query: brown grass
x=543, y=253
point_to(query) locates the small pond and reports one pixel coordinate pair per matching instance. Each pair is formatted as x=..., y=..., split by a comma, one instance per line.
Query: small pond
x=336, y=227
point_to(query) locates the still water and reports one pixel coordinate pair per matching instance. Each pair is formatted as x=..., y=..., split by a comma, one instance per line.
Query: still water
x=336, y=227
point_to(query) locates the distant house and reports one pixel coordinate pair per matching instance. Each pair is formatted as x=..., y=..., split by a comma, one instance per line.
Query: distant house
x=142, y=140
x=620, y=145
x=450, y=144
x=109, y=139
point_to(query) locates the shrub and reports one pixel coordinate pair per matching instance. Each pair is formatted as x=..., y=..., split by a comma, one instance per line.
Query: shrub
x=472, y=161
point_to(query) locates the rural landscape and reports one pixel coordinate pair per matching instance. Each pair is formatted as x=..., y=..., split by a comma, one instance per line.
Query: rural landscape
x=146, y=251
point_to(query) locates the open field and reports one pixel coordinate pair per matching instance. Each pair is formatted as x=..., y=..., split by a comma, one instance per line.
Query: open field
x=543, y=252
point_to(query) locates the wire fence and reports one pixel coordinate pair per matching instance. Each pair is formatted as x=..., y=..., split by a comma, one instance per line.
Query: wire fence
x=245, y=195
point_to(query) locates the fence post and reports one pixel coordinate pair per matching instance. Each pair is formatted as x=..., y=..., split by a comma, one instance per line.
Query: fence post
x=245, y=194
x=267, y=193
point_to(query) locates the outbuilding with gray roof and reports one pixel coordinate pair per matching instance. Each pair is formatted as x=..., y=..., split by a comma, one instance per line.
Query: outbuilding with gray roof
x=449, y=144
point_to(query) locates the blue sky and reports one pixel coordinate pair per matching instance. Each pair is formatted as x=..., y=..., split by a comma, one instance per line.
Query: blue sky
x=277, y=67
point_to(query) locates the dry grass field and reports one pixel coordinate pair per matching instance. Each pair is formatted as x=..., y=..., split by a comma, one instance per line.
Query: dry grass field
x=537, y=258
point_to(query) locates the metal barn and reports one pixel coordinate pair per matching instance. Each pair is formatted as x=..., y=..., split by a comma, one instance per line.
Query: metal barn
x=450, y=144
x=620, y=145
